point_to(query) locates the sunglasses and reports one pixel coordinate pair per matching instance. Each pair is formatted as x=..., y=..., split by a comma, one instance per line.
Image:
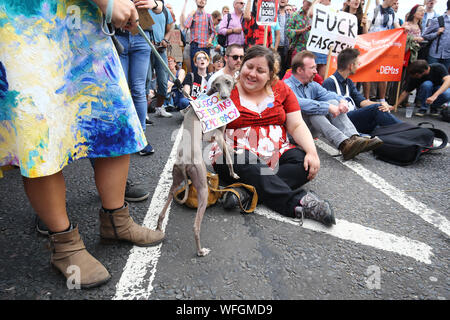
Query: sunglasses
x=235, y=57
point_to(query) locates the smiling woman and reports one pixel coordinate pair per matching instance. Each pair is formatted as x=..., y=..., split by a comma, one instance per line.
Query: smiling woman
x=265, y=157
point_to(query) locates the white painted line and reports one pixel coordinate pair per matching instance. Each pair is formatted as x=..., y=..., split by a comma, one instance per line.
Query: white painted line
x=140, y=269
x=360, y=234
x=392, y=192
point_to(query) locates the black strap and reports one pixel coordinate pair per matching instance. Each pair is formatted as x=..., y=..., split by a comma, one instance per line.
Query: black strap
x=228, y=23
x=441, y=24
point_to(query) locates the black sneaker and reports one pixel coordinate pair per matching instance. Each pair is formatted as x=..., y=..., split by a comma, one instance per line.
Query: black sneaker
x=135, y=194
x=434, y=112
x=40, y=226
x=421, y=113
x=231, y=201
x=148, y=150
x=312, y=207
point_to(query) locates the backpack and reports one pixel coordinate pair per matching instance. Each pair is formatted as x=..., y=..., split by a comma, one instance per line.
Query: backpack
x=404, y=142
x=445, y=113
x=223, y=39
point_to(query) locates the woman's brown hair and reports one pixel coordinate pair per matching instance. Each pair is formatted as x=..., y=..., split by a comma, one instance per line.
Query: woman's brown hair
x=272, y=61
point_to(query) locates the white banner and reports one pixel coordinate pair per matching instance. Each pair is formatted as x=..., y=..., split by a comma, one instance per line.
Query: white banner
x=213, y=112
x=332, y=29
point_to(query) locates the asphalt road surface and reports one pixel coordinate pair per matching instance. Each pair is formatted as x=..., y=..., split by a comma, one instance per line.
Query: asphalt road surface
x=391, y=240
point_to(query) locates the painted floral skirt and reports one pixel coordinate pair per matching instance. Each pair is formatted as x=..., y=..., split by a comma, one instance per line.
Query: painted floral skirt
x=63, y=93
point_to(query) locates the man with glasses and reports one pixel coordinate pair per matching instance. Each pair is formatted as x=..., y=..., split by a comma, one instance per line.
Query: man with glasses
x=234, y=54
x=231, y=25
x=202, y=31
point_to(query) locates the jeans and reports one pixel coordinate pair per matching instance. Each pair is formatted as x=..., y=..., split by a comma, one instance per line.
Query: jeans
x=280, y=191
x=180, y=101
x=335, y=130
x=445, y=62
x=193, y=51
x=366, y=119
x=135, y=61
x=426, y=90
x=161, y=74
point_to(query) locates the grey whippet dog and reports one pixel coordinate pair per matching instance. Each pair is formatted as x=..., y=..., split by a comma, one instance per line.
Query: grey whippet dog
x=189, y=162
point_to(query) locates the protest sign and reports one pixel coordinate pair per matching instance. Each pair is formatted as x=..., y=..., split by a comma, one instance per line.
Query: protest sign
x=381, y=57
x=174, y=49
x=331, y=29
x=214, y=112
x=145, y=21
x=266, y=14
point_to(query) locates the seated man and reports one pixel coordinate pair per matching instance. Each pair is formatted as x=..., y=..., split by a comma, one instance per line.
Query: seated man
x=322, y=111
x=365, y=115
x=433, y=82
x=234, y=54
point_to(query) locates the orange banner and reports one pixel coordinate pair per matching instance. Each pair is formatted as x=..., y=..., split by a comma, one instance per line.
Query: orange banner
x=381, y=57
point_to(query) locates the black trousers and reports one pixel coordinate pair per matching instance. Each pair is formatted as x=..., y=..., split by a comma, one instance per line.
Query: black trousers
x=277, y=189
x=285, y=62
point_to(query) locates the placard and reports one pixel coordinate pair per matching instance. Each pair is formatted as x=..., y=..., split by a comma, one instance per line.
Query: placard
x=266, y=14
x=381, y=56
x=331, y=29
x=214, y=112
x=145, y=21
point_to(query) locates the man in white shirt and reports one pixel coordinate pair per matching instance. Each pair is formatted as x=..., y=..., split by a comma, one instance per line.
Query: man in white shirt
x=234, y=54
x=429, y=13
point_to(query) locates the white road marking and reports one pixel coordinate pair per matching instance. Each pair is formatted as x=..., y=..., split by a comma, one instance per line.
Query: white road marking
x=392, y=192
x=360, y=234
x=140, y=270
x=135, y=282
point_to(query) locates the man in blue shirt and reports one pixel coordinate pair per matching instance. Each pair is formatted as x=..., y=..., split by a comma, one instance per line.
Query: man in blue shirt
x=326, y=111
x=163, y=24
x=366, y=115
x=440, y=39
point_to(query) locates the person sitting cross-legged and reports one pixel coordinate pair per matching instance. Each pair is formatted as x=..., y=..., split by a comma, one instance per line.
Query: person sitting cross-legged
x=325, y=111
x=365, y=115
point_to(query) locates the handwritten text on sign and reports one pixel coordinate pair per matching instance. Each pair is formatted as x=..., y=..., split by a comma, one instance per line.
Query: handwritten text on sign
x=267, y=12
x=335, y=30
x=214, y=112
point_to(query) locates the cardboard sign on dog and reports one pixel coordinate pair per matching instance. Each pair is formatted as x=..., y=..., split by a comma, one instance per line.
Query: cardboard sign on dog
x=214, y=112
x=332, y=30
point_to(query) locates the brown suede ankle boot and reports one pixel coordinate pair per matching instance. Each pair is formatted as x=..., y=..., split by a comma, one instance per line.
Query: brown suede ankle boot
x=352, y=146
x=68, y=250
x=120, y=226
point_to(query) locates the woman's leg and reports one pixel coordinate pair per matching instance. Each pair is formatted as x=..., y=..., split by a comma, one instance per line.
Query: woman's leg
x=110, y=179
x=47, y=196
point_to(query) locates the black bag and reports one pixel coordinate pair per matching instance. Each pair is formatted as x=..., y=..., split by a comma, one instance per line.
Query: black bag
x=404, y=142
x=222, y=39
x=445, y=113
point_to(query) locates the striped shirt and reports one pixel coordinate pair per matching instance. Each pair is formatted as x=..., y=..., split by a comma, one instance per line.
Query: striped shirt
x=202, y=28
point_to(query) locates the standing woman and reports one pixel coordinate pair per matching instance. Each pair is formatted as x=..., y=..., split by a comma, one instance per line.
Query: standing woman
x=356, y=7
x=264, y=157
x=135, y=60
x=413, y=23
x=83, y=109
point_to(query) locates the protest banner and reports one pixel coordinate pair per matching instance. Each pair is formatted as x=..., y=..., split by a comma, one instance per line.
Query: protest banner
x=214, y=112
x=174, y=49
x=331, y=29
x=381, y=57
x=266, y=14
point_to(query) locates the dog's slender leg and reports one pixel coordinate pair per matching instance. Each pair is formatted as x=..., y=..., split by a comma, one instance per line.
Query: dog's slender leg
x=226, y=150
x=199, y=181
x=177, y=178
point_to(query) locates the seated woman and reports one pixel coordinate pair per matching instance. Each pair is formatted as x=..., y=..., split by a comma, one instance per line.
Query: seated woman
x=174, y=95
x=195, y=84
x=264, y=156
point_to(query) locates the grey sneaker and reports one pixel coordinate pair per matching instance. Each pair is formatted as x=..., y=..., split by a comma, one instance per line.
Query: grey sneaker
x=135, y=194
x=312, y=207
